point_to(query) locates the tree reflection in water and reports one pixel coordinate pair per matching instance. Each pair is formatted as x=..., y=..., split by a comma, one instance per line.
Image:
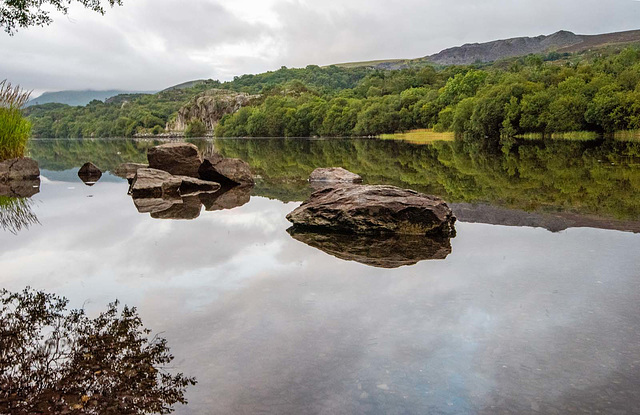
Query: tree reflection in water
x=16, y=214
x=59, y=361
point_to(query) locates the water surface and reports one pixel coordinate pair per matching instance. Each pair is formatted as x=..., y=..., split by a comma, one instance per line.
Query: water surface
x=531, y=308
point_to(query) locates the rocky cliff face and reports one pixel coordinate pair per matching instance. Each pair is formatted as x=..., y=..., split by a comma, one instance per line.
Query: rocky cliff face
x=209, y=107
x=500, y=49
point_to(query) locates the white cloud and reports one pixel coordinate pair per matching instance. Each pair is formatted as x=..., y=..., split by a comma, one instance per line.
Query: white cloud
x=147, y=44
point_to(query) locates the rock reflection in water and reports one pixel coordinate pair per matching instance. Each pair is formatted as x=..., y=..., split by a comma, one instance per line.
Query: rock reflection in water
x=381, y=251
x=226, y=198
x=20, y=188
x=189, y=207
x=59, y=361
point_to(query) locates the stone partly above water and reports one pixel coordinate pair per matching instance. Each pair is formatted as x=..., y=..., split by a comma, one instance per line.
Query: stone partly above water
x=181, y=159
x=89, y=173
x=226, y=171
x=19, y=177
x=367, y=209
x=380, y=251
x=19, y=169
x=153, y=183
x=334, y=175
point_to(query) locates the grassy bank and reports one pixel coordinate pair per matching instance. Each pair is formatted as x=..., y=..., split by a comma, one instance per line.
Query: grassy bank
x=14, y=128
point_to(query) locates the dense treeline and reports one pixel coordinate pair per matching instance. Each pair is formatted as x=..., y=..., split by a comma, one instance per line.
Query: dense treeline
x=534, y=94
x=530, y=95
x=131, y=114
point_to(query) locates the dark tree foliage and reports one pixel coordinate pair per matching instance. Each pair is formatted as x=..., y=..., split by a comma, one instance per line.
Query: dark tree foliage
x=16, y=14
x=59, y=361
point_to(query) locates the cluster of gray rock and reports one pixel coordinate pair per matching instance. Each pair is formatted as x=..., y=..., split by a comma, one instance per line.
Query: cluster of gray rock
x=377, y=225
x=19, y=177
x=178, y=180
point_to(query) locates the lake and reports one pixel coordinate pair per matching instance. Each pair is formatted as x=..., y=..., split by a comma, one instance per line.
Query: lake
x=534, y=307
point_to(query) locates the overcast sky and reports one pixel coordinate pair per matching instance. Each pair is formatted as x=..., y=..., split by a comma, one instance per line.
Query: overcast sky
x=152, y=44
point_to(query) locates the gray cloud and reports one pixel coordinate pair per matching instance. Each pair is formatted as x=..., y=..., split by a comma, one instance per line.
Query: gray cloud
x=153, y=44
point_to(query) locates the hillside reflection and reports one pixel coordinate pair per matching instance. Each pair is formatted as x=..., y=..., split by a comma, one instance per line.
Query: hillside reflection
x=586, y=178
x=59, y=361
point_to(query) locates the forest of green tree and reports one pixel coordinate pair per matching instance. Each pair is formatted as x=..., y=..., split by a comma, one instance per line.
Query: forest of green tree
x=534, y=94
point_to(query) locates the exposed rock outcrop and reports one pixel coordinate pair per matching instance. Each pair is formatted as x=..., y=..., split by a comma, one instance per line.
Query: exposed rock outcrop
x=209, y=107
x=381, y=251
x=334, y=175
x=364, y=209
x=19, y=169
x=226, y=171
x=89, y=173
x=181, y=159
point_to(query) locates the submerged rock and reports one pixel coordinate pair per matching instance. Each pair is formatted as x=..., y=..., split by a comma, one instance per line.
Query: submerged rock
x=226, y=171
x=381, y=251
x=365, y=209
x=128, y=170
x=19, y=169
x=334, y=175
x=182, y=159
x=89, y=173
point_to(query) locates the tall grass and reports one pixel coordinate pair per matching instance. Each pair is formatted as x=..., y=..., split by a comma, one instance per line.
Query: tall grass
x=14, y=128
x=16, y=214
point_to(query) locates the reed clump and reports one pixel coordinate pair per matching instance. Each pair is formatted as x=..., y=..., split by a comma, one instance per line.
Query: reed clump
x=15, y=129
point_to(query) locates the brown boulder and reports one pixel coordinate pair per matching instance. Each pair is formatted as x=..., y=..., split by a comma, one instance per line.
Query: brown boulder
x=334, y=175
x=381, y=251
x=225, y=171
x=365, y=209
x=19, y=169
x=181, y=159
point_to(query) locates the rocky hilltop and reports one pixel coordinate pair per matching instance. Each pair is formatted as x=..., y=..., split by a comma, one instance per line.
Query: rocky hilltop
x=209, y=107
x=500, y=49
x=562, y=41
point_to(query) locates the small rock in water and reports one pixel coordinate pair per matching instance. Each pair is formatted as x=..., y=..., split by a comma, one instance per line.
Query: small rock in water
x=89, y=173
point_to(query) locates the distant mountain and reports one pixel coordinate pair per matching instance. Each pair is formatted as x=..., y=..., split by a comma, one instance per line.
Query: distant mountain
x=75, y=98
x=562, y=41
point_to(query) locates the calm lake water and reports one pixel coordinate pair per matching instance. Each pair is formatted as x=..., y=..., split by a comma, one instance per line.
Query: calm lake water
x=534, y=307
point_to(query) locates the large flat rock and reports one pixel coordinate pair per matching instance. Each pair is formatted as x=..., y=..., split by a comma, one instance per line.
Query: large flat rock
x=364, y=209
